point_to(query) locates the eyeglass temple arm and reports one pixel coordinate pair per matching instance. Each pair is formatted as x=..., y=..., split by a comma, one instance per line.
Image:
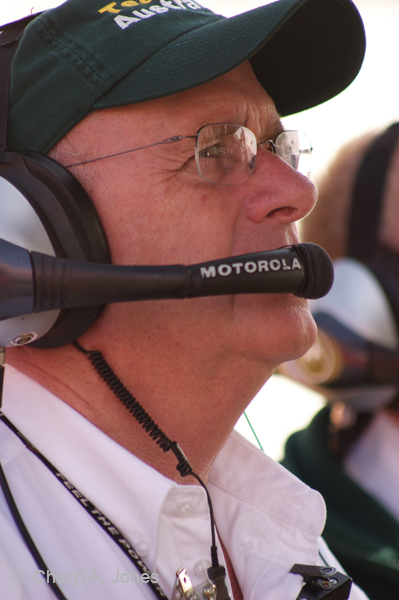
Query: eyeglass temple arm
x=171, y=140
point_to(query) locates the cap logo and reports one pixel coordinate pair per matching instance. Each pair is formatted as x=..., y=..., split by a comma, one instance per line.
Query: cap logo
x=145, y=13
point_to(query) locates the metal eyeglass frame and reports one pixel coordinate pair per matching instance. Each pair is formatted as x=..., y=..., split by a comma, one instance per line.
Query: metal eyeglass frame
x=177, y=138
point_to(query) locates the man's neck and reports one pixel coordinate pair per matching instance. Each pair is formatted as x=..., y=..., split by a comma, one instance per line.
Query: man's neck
x=198, y=413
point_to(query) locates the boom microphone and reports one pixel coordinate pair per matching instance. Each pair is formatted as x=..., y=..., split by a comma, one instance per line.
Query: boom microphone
x=31, y=282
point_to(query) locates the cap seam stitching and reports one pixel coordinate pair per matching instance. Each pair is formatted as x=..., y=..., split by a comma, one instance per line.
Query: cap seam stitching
x=66, y=50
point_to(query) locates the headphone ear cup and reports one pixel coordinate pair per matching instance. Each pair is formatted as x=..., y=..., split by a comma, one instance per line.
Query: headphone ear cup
x=71, y=225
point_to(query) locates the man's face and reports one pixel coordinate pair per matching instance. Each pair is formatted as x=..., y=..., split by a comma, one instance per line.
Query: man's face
x=156, y=209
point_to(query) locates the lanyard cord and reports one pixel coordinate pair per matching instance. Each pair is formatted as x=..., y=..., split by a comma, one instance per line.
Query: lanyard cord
x=25, y=534
x=90, y=508
x=316, y=577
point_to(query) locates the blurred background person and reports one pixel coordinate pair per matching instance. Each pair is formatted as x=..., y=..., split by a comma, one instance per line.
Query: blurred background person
x=349, y=451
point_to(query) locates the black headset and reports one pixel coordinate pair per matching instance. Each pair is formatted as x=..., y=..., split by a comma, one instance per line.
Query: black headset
x=52, y=212
x=343, y=365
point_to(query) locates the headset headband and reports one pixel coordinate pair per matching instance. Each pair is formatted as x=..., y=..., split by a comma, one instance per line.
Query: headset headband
x=366, y=205
x=366, y=213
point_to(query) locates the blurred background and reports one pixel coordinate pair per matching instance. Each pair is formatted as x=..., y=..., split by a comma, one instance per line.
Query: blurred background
x=372, y=101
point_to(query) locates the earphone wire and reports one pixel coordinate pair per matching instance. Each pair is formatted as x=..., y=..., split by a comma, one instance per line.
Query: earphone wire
x=253, y=430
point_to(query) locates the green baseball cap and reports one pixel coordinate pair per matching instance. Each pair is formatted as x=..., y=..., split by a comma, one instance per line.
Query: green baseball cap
x=87, y=55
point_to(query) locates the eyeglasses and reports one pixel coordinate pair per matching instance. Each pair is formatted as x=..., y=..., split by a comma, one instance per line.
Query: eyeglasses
x=226, y=153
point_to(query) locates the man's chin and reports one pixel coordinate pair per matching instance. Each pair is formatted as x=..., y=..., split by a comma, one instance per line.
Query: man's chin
x=303, y=335
x=300, y=319
x=282, y=331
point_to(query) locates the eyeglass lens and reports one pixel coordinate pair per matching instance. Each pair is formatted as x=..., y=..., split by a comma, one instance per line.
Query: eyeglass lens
x=295, y=149
x=226, y=153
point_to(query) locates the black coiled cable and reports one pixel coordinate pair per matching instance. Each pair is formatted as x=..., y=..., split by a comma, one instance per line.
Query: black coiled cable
x=134, y=407
x=138, y=412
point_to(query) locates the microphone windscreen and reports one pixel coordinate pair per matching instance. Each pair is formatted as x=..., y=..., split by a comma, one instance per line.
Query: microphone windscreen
x=318, y=268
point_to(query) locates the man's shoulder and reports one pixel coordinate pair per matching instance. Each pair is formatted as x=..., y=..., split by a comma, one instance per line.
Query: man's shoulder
x=247, y=474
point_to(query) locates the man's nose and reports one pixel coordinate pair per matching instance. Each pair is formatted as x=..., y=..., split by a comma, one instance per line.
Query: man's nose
x=277, y=191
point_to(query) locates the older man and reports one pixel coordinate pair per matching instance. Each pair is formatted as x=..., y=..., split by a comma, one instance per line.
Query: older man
x=100, y=88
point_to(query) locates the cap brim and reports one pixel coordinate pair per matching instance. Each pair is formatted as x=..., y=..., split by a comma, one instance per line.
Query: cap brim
x=75, y=59
x=303, y=52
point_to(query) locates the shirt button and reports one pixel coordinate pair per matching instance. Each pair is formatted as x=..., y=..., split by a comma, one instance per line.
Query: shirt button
x=185, y=509
x=143, y=548
x=201, y=569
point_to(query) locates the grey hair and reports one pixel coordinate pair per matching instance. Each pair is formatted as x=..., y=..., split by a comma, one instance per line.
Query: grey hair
x=66, y=152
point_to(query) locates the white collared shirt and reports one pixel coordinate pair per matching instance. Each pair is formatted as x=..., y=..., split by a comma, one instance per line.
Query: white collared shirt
x=267, y=518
